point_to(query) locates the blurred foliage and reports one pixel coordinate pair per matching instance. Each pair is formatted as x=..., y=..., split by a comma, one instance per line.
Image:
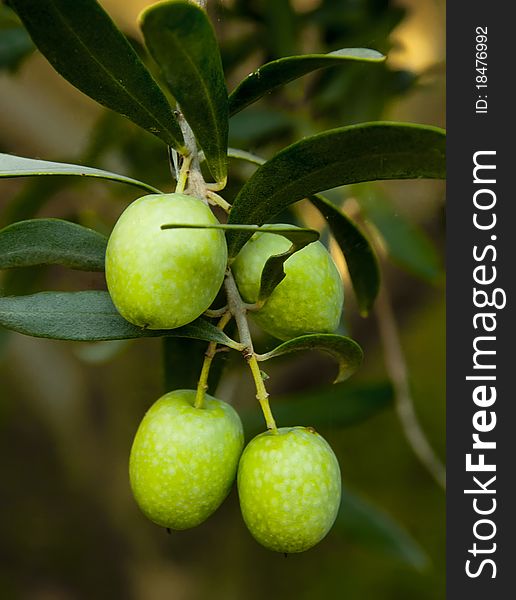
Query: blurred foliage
x=15, y=42
x=68, y=412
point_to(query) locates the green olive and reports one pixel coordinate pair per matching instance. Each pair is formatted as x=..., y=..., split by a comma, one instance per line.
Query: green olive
x=162, y=279
x=308, y=300
x=289, y=488
x=184, y=459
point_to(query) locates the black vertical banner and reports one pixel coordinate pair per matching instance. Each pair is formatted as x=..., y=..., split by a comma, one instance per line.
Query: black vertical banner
x=481, y=270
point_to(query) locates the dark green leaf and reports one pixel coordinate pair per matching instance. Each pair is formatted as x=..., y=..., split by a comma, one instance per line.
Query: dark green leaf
x=360, y=257
x=273, y=272
x=51, y=242
x=364, y=152
x=339, y=405
x=84, y=45
x=346, y=351
x=18, y=166
x=87, y=316
x=278, y=72
x=359, y=521
x=406, y=243
x=181, y=39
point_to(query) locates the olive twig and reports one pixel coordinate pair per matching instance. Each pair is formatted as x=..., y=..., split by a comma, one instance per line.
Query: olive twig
x=215, y=313
x=218, y=186
x=254, y=306
x=202, y=386
x=238, y=310
x=397, y=369
x=214, y=198
x=183, y=174
x=398, y=373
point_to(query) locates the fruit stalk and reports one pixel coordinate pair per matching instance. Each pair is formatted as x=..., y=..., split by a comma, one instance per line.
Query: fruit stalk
x=196, y=184
x=202, y=386
x=238, y=309
x=183, y=174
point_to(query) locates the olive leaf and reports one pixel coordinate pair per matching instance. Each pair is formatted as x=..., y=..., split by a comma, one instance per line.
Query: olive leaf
x=273, y=272
x=407, y=244
x=346, y=351
x=88, y=316
x=19, y=166
x=365, y=152
x=360, y=257
x=82, y=43
x=279, y=72
x=180, y=38
x=358, y=252
x=51, y=242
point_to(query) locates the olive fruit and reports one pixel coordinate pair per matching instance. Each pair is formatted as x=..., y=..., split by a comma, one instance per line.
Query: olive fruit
x=308, y=300
x=289, y=488
x=162, y=279
x=184, y=459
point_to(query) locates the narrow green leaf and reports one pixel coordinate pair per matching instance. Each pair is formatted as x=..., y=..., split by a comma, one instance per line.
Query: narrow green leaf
x=82, y=43
x=18, y=166
x=181, y=40
x=360, y=257
x=279, y=72
x=358, y=252
x=51, y=242
x=273, y=272
x=88, y=316
x=364, y=152
x=360, y=522
x=346, y=351
x=294, y=234
x=335, y=406
x=407, y=244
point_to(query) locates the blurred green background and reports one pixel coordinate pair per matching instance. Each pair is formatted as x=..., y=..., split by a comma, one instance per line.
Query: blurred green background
x=68, y=412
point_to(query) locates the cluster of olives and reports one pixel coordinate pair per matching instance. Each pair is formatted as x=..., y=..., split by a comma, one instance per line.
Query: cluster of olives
x=185, y=457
